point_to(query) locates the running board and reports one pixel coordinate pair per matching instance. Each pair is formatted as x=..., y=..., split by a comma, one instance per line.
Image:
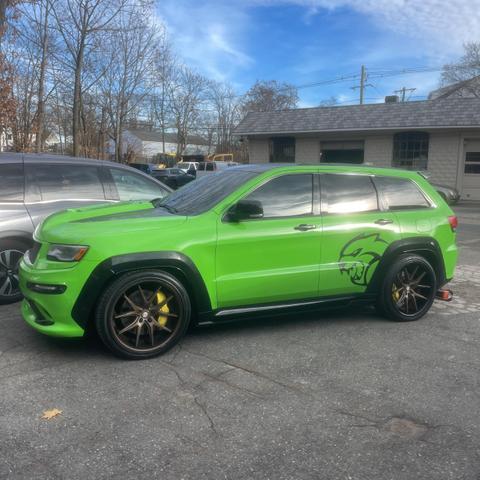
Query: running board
x=279, y=306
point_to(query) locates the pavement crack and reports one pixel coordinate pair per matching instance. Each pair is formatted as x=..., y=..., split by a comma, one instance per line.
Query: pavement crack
x=216, y=378
x=253, y=372
x=202, y=407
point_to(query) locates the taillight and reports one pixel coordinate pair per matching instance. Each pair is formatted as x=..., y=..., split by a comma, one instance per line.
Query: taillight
x=453, y=221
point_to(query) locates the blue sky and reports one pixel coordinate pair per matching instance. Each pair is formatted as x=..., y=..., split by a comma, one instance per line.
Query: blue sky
x=306, y=41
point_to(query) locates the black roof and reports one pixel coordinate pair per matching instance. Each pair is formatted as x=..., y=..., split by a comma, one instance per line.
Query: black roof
x=439, y=113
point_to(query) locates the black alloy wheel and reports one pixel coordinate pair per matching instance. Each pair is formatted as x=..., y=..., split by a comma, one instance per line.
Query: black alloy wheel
x=409, y=289
x=143, y=314
x=11, y=253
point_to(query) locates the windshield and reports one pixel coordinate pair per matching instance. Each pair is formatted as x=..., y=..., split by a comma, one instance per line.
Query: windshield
x=203, y=194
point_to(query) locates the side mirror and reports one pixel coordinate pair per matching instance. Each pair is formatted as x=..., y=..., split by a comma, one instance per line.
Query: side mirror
x=245, y=210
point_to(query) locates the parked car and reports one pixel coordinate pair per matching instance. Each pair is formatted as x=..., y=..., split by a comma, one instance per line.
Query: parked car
x=449, y=194
x=148, y=168
x=204, y=168
x=221, y=157
x=249, y=240
x=173, y=177
x=187, y=166
x=34, y=186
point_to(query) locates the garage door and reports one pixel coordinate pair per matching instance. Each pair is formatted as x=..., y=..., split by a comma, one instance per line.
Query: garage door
x=471, y=176
x=342, y=152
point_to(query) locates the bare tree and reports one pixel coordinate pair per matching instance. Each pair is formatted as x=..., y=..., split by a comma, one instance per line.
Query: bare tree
x=465, y=72
x=34, y=35
x=81, y=24
x=271, y=95
x=225, y=115
x=8, y=10
x=22, y=126
x=186, y=97
x=43, y=37
x=127, y=80
x=164, y=77
x=329, y=102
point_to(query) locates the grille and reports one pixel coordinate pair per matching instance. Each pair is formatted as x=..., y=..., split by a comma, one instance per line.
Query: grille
x=33, y=252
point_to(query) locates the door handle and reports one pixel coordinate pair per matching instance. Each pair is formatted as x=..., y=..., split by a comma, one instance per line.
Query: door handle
x=383, y=221
x=303, y=227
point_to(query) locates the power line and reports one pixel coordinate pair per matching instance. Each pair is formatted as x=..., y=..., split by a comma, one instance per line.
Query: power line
x=403, y=91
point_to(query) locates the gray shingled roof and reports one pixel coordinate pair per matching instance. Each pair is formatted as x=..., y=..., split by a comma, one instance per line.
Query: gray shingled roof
x=440, y=113
x=156, y=136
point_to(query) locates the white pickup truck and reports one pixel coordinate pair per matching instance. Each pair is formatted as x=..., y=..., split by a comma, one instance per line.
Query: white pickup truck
x=204, y=168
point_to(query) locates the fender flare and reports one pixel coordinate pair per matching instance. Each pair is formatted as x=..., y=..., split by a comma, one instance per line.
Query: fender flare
x=175, y=263
x=19, y=234
x=424, y=246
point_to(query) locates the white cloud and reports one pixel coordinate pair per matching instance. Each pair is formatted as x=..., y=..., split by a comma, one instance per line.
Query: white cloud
x=208, y=35
x=441, y=25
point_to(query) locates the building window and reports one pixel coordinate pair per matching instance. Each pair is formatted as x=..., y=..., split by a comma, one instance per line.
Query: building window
x=472, y=162
x=342, y=151
x=410, y=150
x=282, y=150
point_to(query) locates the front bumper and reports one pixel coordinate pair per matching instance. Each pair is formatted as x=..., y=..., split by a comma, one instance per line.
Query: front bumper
x=35, y=316
x=51, y=313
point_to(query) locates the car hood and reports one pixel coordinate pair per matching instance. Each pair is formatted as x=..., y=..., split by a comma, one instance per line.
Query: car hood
x=84, y=225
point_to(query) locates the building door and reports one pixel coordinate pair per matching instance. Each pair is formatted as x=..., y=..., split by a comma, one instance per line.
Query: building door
x=342, y=152
x=471, y=172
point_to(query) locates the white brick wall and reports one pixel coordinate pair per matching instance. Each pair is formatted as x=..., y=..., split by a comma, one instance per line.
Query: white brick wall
x=307, y=150
x=378, y=150
x=258, y=150
x=443, y=155
x=443, y=158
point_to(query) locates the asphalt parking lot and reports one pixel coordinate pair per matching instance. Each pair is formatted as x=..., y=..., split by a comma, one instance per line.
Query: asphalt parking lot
x=338, y=395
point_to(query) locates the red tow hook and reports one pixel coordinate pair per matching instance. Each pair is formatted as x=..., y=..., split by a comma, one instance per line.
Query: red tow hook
x=444, y=294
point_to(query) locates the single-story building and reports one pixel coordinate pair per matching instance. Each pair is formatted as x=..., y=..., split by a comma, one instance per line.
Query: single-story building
x=441, y=136
x=146, y=143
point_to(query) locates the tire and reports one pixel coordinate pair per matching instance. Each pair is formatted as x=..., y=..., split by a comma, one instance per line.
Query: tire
x=11, y=252
x=408, y=289
x=143, y=314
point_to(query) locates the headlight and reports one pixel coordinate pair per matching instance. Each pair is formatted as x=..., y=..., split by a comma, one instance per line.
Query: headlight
x=66, y=253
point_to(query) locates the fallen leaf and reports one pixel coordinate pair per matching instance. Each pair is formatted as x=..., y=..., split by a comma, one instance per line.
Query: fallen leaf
x=49, y=414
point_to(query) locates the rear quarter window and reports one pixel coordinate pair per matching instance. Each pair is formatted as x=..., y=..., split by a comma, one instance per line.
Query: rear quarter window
x=11, y=182
x=400, y=193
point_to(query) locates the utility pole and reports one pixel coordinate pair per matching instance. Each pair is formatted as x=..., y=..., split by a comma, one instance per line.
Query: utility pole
x=363, y=84
x=403, y=91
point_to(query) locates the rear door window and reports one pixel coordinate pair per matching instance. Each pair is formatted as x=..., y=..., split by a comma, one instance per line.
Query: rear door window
x=400, y=193
x=11, y=182
x=66, y=182
x=343, y=194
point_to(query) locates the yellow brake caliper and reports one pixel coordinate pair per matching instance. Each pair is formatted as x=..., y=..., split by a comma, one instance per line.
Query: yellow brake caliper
x=162, y=319
x=395, y=293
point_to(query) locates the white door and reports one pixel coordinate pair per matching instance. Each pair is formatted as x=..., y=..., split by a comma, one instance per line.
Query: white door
x=471, y=176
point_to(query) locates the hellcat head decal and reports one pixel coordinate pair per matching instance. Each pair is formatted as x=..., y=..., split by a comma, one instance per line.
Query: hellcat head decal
x=360, y=256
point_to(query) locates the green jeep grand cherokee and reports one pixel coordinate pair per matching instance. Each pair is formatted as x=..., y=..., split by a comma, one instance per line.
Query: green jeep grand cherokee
x=248, y=241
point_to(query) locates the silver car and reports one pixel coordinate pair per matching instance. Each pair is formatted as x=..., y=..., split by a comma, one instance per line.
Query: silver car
x=34, y=186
